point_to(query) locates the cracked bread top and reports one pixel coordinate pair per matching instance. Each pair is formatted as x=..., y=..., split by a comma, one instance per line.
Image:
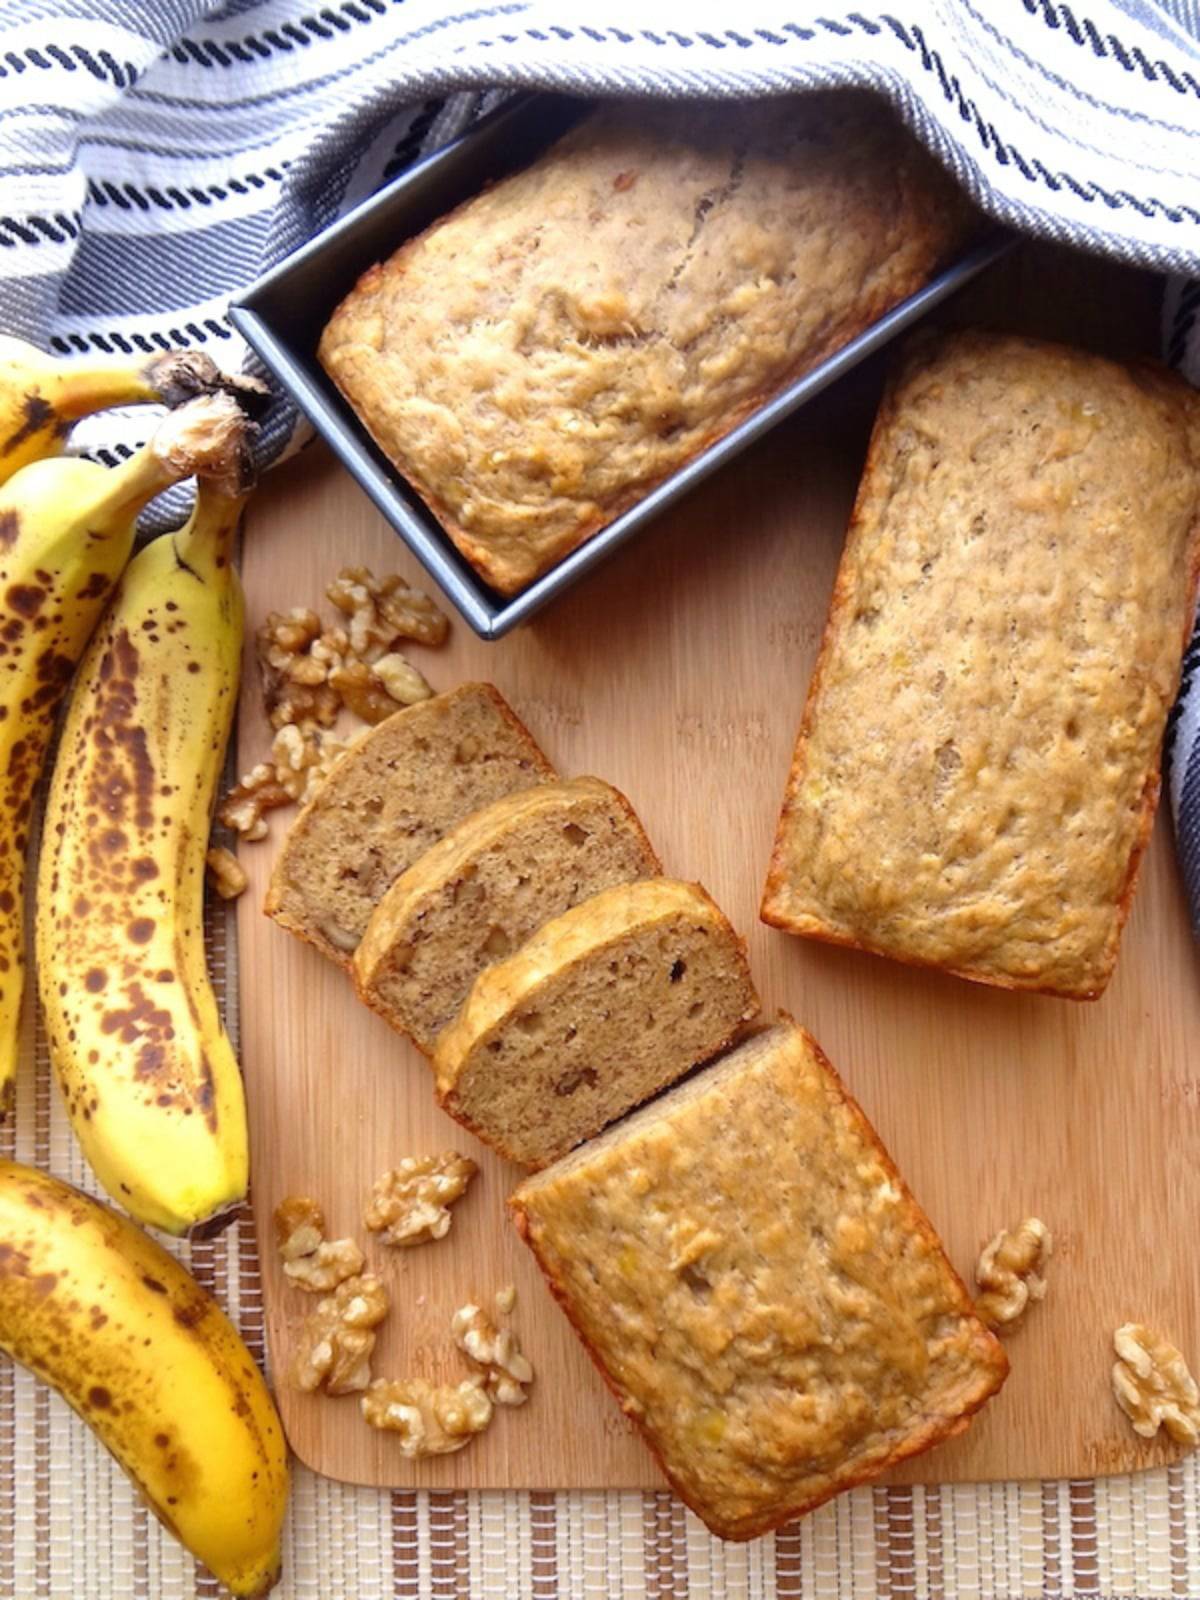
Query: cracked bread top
x=535, y=361
x=759, y=1289
x=978, y=763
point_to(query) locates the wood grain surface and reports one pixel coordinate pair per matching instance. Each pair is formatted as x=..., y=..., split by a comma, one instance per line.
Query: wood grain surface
x=678, y=672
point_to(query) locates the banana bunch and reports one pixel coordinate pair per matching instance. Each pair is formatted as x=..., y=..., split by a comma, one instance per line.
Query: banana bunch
x=150, y=1362
x=41, y=396
x=150, y=1079
x=66, y=530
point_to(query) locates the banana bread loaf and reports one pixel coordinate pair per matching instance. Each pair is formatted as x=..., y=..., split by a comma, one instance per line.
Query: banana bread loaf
x=759, y=1289
x=978, y=764
x=486, y=888
x=537, y=360
x=386, y=801
x=603, y=1007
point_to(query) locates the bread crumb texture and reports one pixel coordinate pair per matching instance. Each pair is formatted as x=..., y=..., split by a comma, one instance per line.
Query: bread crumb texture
x=386, y=800
x=760, y=1290
x=977, y=768
x=603, y=1007
x=538, y=359
x=485, y=889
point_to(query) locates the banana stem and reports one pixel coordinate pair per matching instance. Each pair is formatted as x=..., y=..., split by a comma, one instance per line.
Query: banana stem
x=207, y=435
x=171, y=378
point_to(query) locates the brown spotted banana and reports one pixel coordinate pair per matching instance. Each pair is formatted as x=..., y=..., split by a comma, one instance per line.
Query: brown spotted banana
x=149, y=1361
x=66, y=530
x=148, y=1073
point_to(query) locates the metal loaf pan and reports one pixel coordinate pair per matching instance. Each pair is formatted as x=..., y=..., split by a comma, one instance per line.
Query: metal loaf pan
x=283, y=314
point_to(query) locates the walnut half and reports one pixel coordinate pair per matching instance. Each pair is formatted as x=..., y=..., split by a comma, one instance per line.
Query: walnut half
x=336, y=1341
x=411, y=1203
x=495, y=1352
x=1009, y=1272
x=1153, y=1386
x=310, y=1261
x=430, y=1419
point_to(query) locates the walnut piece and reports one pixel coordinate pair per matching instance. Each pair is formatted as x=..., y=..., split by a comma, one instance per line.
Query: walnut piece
x=226, y=873
x=293, y=679
x=411, y=1203
x=1009, y=1272
x=382, y=610
x=431, y=1420
x=1152, y=1385
x=337, y=1339
x=495, y=1352
x=506, y=1299
x=242, y=810
x=310, y=1261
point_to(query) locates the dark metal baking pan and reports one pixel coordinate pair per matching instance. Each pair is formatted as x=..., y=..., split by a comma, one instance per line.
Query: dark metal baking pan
x=283, y=314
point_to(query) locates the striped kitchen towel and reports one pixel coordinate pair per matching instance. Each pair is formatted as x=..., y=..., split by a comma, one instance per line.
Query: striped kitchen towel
x=156, y=155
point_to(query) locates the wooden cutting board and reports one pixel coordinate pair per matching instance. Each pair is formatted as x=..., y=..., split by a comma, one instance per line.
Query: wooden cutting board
x=678, y=673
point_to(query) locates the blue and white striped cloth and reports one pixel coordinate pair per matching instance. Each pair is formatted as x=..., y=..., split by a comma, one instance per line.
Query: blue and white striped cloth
x=156, y=155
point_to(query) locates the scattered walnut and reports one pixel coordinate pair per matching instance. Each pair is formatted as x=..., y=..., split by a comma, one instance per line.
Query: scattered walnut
x=495, y=1352
x=293, y=677
x=400, y=678
x=431, y=1420
x=412, y=1203
x=242, y=810
x=311, y=1261
x=1152, y=1385
x=1009, y=1272
x=299, y=1226
x=226, y=873
x=382, y=610
x=309, y=673
x=361, y=691
x=336, y=1340
x=506, y=1299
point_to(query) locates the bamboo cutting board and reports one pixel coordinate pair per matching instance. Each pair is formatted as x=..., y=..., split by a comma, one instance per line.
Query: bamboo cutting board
x=678, y=673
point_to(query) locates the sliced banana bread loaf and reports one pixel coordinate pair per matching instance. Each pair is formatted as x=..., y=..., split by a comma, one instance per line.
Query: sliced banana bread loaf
x=603, y=1007
x=389, y=798
x=759, y=1289
x=485, y=888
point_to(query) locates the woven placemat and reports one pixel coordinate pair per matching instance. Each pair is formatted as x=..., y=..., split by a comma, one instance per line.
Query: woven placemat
x=72, y=1527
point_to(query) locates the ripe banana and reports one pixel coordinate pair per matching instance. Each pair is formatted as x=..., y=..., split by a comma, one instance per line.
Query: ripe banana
x=149, y=1361
x=66, y=530
x=150, y=1079
x=41, y=396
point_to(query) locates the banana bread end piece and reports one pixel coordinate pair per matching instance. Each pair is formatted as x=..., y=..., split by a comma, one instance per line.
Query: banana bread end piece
x=386, y=801
x=485, y=889
x=759, y=1289
x=603, y=1007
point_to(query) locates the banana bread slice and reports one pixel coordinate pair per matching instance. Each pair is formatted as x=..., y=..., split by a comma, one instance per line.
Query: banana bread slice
x=603, y=1007
x=387, y=800
x=486, y=888
x=758, y=1287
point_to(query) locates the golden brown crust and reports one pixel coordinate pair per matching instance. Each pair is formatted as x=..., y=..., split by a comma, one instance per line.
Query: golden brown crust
x=888, y=912
x=540, y=358
x=616, y=1192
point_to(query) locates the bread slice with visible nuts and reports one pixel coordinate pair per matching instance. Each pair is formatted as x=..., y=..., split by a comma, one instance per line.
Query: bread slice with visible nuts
x=604, y=1006
x=486, y=888
x=387, y=800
